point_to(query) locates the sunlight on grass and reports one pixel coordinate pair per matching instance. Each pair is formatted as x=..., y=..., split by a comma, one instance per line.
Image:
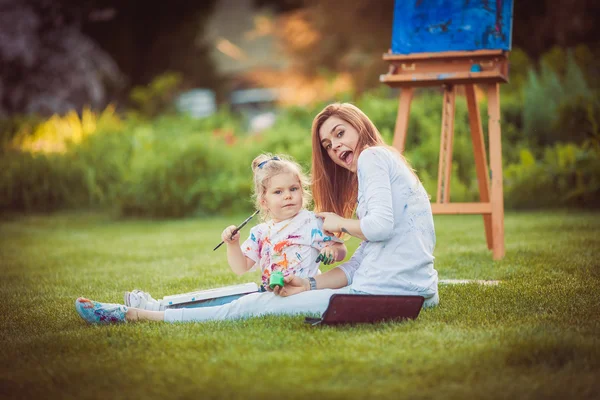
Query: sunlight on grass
x=535, y=335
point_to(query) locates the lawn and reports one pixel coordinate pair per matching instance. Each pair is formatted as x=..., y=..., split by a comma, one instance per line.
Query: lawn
x=534, y=336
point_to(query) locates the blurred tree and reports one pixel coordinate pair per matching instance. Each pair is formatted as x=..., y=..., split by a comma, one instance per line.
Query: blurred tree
x=58, y=55
x=539, y=26
x=147, y=39
x=46, y=64
x=280, y=6
x=350, y=36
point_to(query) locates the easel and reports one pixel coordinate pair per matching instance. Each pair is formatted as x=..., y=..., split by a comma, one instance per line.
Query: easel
x=449, y=69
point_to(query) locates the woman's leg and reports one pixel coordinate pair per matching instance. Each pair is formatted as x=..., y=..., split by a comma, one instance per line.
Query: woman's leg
x=253, y=305
x=432, y=301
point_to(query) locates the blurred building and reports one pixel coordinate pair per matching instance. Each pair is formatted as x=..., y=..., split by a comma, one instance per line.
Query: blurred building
x=242, y=41
x=242, y=38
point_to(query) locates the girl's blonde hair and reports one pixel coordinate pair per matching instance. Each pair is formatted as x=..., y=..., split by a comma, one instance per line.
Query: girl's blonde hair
x=266, y=166
x=335, y=188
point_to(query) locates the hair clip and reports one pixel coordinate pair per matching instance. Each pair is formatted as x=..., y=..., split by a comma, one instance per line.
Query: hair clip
x=262, y=164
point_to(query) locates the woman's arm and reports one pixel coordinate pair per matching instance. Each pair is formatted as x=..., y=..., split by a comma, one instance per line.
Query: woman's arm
x=332, y=279
x=293, y=284
x=374, y=178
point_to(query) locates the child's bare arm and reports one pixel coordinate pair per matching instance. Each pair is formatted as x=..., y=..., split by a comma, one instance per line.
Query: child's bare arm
x=341, y=251
x=239, y=263
x=333, y=253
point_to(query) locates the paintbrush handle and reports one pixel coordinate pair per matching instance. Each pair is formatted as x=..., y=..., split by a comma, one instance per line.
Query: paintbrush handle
x=236, y=230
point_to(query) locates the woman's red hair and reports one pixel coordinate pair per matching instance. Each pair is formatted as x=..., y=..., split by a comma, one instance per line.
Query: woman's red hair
x=335, y=188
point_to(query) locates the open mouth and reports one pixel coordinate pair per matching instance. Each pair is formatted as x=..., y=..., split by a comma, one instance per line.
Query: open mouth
x=347, y=157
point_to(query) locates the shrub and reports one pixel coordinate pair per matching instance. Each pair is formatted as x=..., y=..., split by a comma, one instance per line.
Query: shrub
x=567, y=175
x=179, y=178
x=40, y=182
x=175, y=166
x=559, y=83
x=156, y=97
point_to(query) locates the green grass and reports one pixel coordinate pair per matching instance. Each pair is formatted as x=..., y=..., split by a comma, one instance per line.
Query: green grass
x=535, y=336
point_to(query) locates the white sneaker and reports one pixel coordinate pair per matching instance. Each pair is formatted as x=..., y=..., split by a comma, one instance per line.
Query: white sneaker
x=140, y=299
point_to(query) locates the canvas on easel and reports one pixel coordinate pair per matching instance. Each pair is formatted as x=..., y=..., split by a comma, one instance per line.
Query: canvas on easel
x=447, y=43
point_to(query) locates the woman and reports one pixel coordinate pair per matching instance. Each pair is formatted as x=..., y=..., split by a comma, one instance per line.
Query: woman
x=353, y=169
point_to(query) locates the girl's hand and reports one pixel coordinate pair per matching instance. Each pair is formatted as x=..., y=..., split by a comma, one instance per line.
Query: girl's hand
x=226, y=235
x=328, y=255
x=292, y=285
x=331, y=222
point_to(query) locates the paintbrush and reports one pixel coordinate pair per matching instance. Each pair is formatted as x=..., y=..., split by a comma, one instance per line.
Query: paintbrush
x=236, y=230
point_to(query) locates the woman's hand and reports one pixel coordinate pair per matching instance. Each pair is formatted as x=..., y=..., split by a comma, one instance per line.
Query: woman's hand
x=328, y=255
x=226, y=235
x=292, y=285
x=331, y=221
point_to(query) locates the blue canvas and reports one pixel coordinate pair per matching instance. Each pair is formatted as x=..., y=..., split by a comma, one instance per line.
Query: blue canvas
x=423, y=26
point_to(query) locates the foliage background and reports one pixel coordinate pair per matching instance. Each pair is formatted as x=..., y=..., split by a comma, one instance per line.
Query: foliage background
x=175, y=166
x=134, y=155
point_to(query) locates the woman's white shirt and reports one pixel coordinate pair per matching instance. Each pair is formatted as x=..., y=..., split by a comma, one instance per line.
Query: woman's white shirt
x=396, y=219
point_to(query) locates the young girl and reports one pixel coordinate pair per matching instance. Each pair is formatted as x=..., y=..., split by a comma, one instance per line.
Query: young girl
x=289, y=240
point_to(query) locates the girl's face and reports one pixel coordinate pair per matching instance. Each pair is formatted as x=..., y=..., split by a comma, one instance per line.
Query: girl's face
x=340, y=140
x=283, y=197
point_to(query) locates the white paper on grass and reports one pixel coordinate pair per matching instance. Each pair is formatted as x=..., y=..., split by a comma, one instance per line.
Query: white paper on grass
x=210, y=294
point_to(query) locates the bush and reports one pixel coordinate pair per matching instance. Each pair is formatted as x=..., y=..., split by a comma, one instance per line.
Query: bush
x=176, y=166
x=40, y=182
x=44, y=167
x=193, y=175
x=567, y=175
x=156, y=97
x=559, y=83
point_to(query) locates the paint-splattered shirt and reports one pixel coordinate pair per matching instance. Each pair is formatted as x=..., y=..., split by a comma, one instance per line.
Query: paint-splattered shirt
x=291, y=246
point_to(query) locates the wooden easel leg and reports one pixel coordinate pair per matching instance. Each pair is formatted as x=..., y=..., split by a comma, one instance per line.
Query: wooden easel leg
x=445, y=165
x=406, y=95
x=497, y=198
x=480, y=158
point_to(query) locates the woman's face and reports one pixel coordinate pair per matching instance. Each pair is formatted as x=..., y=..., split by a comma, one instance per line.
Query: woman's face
x=340, y=140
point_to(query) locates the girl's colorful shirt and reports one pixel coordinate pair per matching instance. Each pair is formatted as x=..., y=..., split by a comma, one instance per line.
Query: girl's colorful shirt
x=291, y=246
